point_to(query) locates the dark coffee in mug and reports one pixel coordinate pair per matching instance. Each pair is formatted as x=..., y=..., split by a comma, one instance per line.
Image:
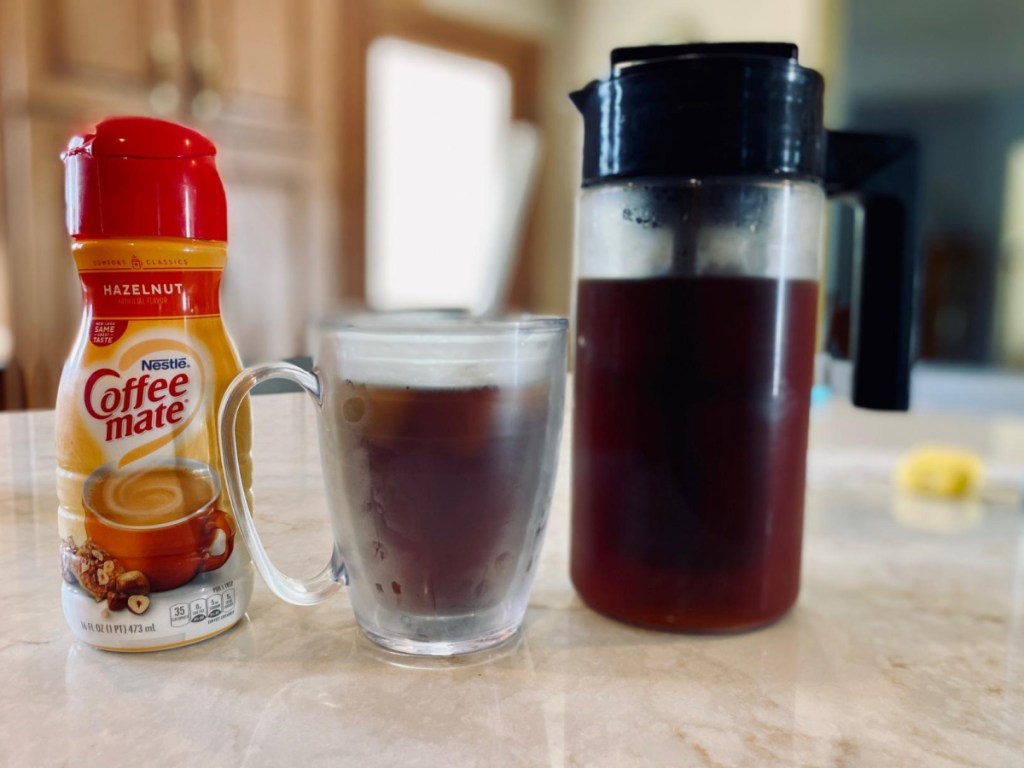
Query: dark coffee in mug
x=441, y=485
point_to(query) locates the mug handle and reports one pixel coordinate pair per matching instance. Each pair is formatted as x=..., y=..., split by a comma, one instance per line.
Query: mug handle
x=288, y=588
x=217, y=521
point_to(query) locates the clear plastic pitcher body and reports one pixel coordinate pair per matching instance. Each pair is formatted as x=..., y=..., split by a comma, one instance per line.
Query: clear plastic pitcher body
x=696, y=313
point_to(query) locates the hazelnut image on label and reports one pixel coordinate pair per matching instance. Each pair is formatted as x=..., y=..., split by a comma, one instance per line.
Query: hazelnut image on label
x=138, y=604
x=133, y=583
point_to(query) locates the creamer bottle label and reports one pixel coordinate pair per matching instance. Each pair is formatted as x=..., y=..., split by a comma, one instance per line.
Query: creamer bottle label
x=149, y=550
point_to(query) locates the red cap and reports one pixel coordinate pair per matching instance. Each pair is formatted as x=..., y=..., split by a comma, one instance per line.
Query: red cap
x=140, y=177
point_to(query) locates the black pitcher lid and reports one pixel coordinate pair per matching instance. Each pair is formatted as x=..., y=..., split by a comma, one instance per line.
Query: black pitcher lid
x=703, y=109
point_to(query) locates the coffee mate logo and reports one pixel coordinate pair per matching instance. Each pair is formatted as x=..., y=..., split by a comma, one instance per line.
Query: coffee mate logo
x=147, y=399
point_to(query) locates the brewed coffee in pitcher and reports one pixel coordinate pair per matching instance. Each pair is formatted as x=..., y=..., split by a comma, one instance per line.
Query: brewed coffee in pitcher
x=706, y=169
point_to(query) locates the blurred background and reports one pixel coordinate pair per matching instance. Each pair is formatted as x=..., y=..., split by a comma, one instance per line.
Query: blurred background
x=412, y=153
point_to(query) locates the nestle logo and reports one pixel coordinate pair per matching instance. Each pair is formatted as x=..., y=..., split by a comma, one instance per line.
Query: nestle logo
x=164, y=364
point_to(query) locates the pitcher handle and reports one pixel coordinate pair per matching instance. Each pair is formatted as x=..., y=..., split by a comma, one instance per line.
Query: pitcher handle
x=296, y=591
x=880, y=174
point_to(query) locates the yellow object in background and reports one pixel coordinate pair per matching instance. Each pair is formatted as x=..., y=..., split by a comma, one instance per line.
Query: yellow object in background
x=941, y=471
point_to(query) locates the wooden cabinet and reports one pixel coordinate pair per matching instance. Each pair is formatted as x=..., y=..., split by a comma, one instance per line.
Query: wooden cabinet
x=254, y=53
x=82, y=56
x=240, y=71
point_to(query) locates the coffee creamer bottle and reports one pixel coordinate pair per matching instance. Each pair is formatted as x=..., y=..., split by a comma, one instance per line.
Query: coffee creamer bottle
x=149, y=551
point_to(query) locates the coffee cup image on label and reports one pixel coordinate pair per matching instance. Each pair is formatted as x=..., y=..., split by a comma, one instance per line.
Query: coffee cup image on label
x=158, y=518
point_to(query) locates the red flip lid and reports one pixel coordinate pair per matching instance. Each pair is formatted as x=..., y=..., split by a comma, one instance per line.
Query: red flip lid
x=141, y=177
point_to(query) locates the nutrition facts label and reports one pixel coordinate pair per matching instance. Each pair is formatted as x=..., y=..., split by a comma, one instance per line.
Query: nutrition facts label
x=203, y=608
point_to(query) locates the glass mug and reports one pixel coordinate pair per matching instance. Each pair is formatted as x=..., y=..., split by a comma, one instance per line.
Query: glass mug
x=439, y=439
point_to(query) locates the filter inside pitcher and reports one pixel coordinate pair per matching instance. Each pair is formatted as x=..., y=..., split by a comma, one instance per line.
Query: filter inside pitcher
x=734, y=227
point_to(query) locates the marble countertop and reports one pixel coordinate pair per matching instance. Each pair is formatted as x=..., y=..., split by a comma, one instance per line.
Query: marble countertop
x=905, y=648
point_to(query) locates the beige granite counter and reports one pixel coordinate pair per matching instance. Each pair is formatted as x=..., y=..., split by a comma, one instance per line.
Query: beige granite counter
x=905, y=648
